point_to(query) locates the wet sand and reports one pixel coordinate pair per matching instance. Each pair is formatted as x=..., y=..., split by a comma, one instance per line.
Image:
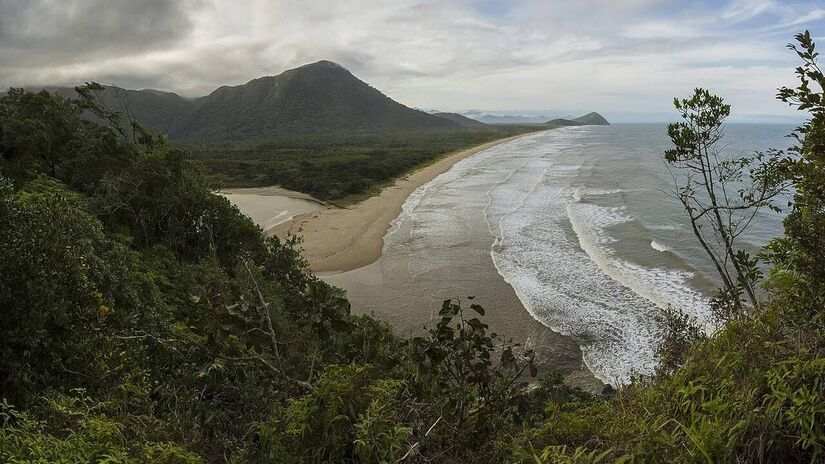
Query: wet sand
x=410, y=305
x=343, y=239
x=271, y=206
x=344, y=247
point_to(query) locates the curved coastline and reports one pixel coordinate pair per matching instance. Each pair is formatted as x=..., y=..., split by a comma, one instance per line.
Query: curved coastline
x=343, y=239
x=345, y=247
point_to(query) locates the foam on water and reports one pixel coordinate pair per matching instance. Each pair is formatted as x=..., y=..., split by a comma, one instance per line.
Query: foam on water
x=574, y=283
x=661, y=286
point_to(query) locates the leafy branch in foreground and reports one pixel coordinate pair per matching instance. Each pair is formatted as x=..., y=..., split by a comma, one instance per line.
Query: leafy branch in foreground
x=803, y=249
x=722, y=194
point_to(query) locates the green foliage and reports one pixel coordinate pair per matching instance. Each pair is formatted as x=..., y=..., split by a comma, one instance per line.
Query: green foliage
x=681, y=332
x=719, y=200
x=76, y=431
x=144, y=319
x=579, y=455
x=350, y=416
x=795, y=402
x=342, y=167
x=462, y=348
x=803, y=250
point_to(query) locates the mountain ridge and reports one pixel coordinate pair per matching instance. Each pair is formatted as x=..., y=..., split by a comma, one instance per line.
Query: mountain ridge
x=460, y=119
x=317, y=97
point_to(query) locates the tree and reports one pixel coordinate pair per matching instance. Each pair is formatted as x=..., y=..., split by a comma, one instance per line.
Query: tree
x=803, y=249
x=38, y=132
x=721, y=194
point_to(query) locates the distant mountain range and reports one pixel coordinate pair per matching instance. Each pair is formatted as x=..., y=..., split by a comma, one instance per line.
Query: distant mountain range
x=317, y=98
x=491, y=118
x=321, y=97
x=460, y=119
x=589, y=119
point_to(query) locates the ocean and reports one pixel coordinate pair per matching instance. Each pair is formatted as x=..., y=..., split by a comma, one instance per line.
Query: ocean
x=579, y=222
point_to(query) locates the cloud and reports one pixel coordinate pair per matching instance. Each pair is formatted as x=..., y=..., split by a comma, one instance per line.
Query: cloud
x=525, y=55
x=65, y=31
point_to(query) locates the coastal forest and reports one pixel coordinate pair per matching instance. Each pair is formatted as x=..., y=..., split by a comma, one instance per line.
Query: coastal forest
x=145, y=319
x=317, y=129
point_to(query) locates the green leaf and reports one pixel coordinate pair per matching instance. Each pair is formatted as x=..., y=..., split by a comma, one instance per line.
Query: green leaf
x=446, y=308
x=477, y=308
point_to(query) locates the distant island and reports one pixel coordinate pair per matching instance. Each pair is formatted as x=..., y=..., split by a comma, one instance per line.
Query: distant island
x=589, y=119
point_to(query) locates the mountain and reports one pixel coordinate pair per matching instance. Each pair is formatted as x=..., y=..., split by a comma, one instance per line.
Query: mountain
x=321, y=97
x=156, y=110
x=563, y=122
x=589, y=119
x=318, y=97
x=592, y=119
x=460, y=119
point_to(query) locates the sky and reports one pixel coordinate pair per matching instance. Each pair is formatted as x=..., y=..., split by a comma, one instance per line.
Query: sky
x=626, y=59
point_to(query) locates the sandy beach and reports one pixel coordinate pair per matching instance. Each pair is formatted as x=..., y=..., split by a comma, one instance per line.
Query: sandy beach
x=343, y=239
x=344, y=247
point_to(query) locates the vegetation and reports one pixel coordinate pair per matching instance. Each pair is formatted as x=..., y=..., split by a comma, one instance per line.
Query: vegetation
x=592, y=119
x=143, y=319
x=315, y=129
x=721, y=194
x=342, y=167
x=320, y=97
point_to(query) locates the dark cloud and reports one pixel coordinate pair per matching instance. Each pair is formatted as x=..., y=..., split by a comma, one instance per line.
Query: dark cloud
x=449, y=54
x=67, y=31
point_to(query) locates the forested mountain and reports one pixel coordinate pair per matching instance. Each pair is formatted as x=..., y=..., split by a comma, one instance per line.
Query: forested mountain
x=592, y=119
x=157, y=111
x=321, y=97
x=316, y=129
x=589, y=119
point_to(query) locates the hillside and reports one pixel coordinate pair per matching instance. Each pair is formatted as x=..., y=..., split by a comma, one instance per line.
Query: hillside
x=592, y=119
x=318, y=97
x=589, y=119
x=316, y=129
x=563, y=122
x=157, y=111
x=460, y=119
x=321, y=97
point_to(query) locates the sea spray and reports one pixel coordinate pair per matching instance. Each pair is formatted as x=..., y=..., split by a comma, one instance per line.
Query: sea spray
x=573, y=219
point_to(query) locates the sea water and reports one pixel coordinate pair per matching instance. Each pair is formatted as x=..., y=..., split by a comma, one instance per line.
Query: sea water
x=581, y=222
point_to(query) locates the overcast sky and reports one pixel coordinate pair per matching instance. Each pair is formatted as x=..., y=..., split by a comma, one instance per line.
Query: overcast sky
x=625, y=58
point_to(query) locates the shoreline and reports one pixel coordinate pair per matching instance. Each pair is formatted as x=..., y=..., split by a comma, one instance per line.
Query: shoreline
x=272, y=191
x=344, y=239
x=344, y=247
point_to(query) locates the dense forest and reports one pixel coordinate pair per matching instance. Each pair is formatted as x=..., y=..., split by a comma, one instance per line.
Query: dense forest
x=144, y=319
x=341, y=168
x=317, y=129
